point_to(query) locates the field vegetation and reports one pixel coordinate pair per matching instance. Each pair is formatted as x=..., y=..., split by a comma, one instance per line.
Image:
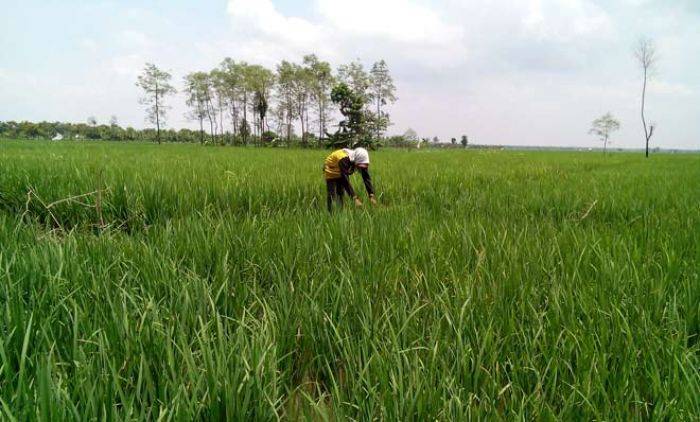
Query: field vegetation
x=183, y=282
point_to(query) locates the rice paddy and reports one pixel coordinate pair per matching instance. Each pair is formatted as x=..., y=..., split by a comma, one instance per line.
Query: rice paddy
x=180, y=282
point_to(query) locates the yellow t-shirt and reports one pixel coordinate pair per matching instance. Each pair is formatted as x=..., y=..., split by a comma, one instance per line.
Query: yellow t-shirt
x=331, y=166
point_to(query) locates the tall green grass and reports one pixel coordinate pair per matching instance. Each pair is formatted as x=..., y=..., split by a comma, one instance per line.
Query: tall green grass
x=210, y=283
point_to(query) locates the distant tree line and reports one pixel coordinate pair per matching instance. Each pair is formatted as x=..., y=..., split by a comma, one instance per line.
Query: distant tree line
x=87, y=131
x=241, y=103
x=92, y=130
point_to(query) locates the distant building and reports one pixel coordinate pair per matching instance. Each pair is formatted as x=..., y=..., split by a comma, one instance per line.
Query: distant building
x=58, y=137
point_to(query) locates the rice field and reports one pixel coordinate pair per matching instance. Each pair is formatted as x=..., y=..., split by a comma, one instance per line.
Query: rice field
x=179, y=282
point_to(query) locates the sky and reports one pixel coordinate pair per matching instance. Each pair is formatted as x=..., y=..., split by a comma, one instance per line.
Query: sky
x=515, y=72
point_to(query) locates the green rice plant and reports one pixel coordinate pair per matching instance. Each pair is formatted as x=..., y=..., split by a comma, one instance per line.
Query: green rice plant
x=178, y=282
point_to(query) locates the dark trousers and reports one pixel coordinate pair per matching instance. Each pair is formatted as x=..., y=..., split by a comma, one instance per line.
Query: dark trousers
x=335, y=191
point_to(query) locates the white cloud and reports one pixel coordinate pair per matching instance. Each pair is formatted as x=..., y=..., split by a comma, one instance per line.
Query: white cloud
x=261, y=15
x=134, y=39
x=399, y=20
x=343, y=29
x=565, y=20
x=129, y=65
x=669, y=88
x=89, y=44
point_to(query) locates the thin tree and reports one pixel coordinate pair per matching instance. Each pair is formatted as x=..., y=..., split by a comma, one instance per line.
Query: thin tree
x=245, y=89
x=218, y=85
x=302, y=89
x=286, y=101
x=196, y=99
x=646, y=57
x=383, y=92
x=603, y=127
x=156, y=86
x=232, y=79
x=321, y=83
x=207, y=90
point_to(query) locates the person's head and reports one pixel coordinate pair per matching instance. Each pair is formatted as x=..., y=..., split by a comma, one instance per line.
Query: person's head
x=361, y=158
x=351, y=154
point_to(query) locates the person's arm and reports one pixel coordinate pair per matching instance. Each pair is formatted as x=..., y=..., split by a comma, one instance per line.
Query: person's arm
x=367, y=179
x=346, y=169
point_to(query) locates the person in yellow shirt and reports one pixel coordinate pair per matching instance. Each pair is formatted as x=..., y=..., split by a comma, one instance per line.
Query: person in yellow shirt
x=338, y=167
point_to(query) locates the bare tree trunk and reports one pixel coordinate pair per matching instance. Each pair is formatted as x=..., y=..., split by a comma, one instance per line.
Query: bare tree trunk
x=234, y=118
x=644, y=122
x=211, y=128
x=379, y=114
x=221, y=119
x=201, y=131
x=232, y=114
x=605, y=145
x=320, y=121
x=245, y=116
x=157, y=114
x=262, y=126
x=214, y=125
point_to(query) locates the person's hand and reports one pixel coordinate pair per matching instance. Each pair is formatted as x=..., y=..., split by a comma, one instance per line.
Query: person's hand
x=372, y=200
x=358, y=203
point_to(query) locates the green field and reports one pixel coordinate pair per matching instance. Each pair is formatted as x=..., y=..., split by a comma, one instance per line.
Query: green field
x=210, y=283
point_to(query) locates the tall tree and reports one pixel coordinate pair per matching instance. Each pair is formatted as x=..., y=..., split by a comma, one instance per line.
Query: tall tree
x=232, y=80
x=155, y=84
x=286, y=101
x=321, y=82
x=261, y=81
x=603, y=126
x=646, y=57
x=302, y=88
x=245, y=89
x=383, y=92
x=218, y=87
x=352, y=130
x=198, y=90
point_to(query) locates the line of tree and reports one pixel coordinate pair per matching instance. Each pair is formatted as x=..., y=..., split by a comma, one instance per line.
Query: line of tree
x=91, y=131
x=242, y=103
